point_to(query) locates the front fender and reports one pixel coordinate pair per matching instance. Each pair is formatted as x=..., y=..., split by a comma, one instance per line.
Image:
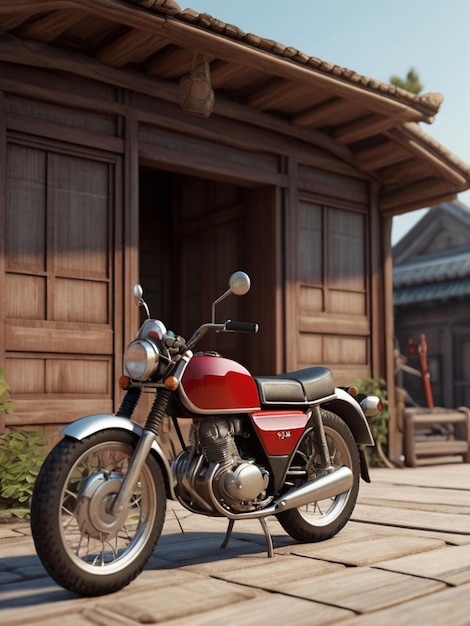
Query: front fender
x=86, y=426
x=346, y=407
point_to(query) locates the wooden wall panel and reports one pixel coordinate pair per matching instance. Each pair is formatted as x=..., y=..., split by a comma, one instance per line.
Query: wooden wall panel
x=25, y=296
x=27, y=375
x=81, y=301
x=78, y=376
x=25, y=245
x=62, y=268
x=311, y=299
x=347, y=303
x=345, y=350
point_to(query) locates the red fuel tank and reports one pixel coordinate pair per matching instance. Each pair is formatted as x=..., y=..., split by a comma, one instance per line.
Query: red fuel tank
x=214, y=384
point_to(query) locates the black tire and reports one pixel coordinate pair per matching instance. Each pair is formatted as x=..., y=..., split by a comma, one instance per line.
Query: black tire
x=72, y=529
x=322, y=520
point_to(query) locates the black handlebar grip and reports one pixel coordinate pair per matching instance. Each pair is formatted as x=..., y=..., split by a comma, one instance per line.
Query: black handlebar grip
x=242, y=327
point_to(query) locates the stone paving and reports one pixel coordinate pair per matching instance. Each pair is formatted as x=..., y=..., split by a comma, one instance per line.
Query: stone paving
x=403, y=558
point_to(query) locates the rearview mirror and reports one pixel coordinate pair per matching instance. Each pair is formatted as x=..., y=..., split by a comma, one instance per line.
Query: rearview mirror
x=239, y=283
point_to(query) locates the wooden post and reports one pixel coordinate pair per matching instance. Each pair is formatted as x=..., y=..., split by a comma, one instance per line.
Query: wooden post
x=423, y=351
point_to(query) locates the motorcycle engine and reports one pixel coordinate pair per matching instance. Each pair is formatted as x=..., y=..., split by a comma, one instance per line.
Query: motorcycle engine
x=213, y=468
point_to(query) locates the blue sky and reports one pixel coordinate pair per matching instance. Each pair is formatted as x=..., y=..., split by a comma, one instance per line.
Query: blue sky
x=377, y=38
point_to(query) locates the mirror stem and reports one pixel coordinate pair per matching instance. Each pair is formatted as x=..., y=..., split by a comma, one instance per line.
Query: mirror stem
x=216, y=302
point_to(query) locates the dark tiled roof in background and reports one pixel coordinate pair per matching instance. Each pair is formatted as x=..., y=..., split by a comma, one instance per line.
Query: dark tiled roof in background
x=448, y=265
x=424, y=294
x=443, y=275
x=438, y=277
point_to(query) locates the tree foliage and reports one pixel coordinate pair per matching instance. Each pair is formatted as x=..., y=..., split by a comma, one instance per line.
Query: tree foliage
x=411, y=83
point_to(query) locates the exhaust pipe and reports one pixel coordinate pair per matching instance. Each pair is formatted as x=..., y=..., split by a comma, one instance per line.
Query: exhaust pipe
x=327, y=486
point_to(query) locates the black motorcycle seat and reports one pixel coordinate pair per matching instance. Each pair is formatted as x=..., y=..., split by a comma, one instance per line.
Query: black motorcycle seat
x=296, y=388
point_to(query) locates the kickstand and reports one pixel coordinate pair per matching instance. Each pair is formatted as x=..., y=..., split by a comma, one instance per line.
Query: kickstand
x=228, y=533
x=267, y=534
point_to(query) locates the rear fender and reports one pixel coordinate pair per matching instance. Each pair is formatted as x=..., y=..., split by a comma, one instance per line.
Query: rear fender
x=346, y=407
x=92, y=424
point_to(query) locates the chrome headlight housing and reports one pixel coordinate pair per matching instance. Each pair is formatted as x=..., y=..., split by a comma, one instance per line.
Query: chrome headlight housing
x=141, y=359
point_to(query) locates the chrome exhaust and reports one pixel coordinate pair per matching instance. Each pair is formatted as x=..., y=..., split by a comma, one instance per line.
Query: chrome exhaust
x=327, y=486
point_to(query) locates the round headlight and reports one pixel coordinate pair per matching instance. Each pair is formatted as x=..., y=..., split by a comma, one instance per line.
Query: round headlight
x=141, y=359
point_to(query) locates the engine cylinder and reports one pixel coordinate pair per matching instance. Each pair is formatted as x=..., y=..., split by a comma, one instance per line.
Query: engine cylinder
x=214, y=466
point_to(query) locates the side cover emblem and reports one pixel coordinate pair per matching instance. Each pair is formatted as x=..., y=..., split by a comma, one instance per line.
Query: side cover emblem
x=283, y=434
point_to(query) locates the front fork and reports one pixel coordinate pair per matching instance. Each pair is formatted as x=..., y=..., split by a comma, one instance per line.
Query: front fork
x=144, y=445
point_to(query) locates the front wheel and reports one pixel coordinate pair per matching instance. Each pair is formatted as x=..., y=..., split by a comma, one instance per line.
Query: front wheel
x=81, y=543
x=322, y=520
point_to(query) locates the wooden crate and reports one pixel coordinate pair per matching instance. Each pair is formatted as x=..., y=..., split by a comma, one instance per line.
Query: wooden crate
x=422, y=438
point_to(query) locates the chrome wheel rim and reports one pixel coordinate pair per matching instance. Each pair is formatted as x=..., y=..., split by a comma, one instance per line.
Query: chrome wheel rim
x=97, y=541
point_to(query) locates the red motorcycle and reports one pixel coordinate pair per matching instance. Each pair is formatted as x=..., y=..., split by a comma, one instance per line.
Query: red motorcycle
x=286, y=445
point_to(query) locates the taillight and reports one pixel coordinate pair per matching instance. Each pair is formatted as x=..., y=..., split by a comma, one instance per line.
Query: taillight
x=371, y=405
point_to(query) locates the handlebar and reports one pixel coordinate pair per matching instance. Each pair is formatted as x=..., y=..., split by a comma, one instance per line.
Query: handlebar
x=228, y=326
x=241, y=327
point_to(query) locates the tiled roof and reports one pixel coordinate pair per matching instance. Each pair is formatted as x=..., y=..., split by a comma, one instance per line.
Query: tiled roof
x=423, y=294
x=441, y=276
x=448, y=265
x=368, y=127
x=429, y=102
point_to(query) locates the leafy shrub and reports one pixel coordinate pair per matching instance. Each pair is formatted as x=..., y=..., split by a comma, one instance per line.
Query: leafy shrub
x=379, y=423
x=5, y=402
x=21, y=456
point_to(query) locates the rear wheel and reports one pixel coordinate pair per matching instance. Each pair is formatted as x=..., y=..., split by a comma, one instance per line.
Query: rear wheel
x=322, y=520
x=81, y=543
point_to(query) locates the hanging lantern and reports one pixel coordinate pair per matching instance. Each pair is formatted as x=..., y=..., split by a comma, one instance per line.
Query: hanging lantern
x=196, y=93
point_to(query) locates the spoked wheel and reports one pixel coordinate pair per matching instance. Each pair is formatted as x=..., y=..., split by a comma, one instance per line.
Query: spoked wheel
x=321, y=520
x=83, y=545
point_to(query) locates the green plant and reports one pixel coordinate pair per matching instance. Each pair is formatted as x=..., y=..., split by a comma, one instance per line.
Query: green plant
x=5, y=401
x=21, y=456
x=379, y=423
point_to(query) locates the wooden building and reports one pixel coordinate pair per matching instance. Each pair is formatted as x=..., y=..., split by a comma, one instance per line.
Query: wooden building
x=432, y=296
x=141, y=141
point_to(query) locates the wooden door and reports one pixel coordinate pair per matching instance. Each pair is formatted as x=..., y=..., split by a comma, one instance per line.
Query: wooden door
x=62, y=283
x=333, y=289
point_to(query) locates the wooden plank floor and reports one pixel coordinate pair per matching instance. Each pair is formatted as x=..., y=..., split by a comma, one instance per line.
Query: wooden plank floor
x=403, y=558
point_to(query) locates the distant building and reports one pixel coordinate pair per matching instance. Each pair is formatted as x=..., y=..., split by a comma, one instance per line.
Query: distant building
x=431, y=281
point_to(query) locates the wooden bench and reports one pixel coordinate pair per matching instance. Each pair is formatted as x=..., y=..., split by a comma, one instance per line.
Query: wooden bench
x=425, y=439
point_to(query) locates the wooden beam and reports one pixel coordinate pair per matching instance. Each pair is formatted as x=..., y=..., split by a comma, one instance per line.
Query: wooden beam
x=365, y=127
x=13, y=49
x=411, y=142
x=172, y=64
x=40, y=55
x=46, y=28
x=223, y=73
x=321, y=113
x=117, y=12
x=276, y=93
x=135, y=46
x=387, y=153
x=10, y=22
x=223, y=48
x=415, y=196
